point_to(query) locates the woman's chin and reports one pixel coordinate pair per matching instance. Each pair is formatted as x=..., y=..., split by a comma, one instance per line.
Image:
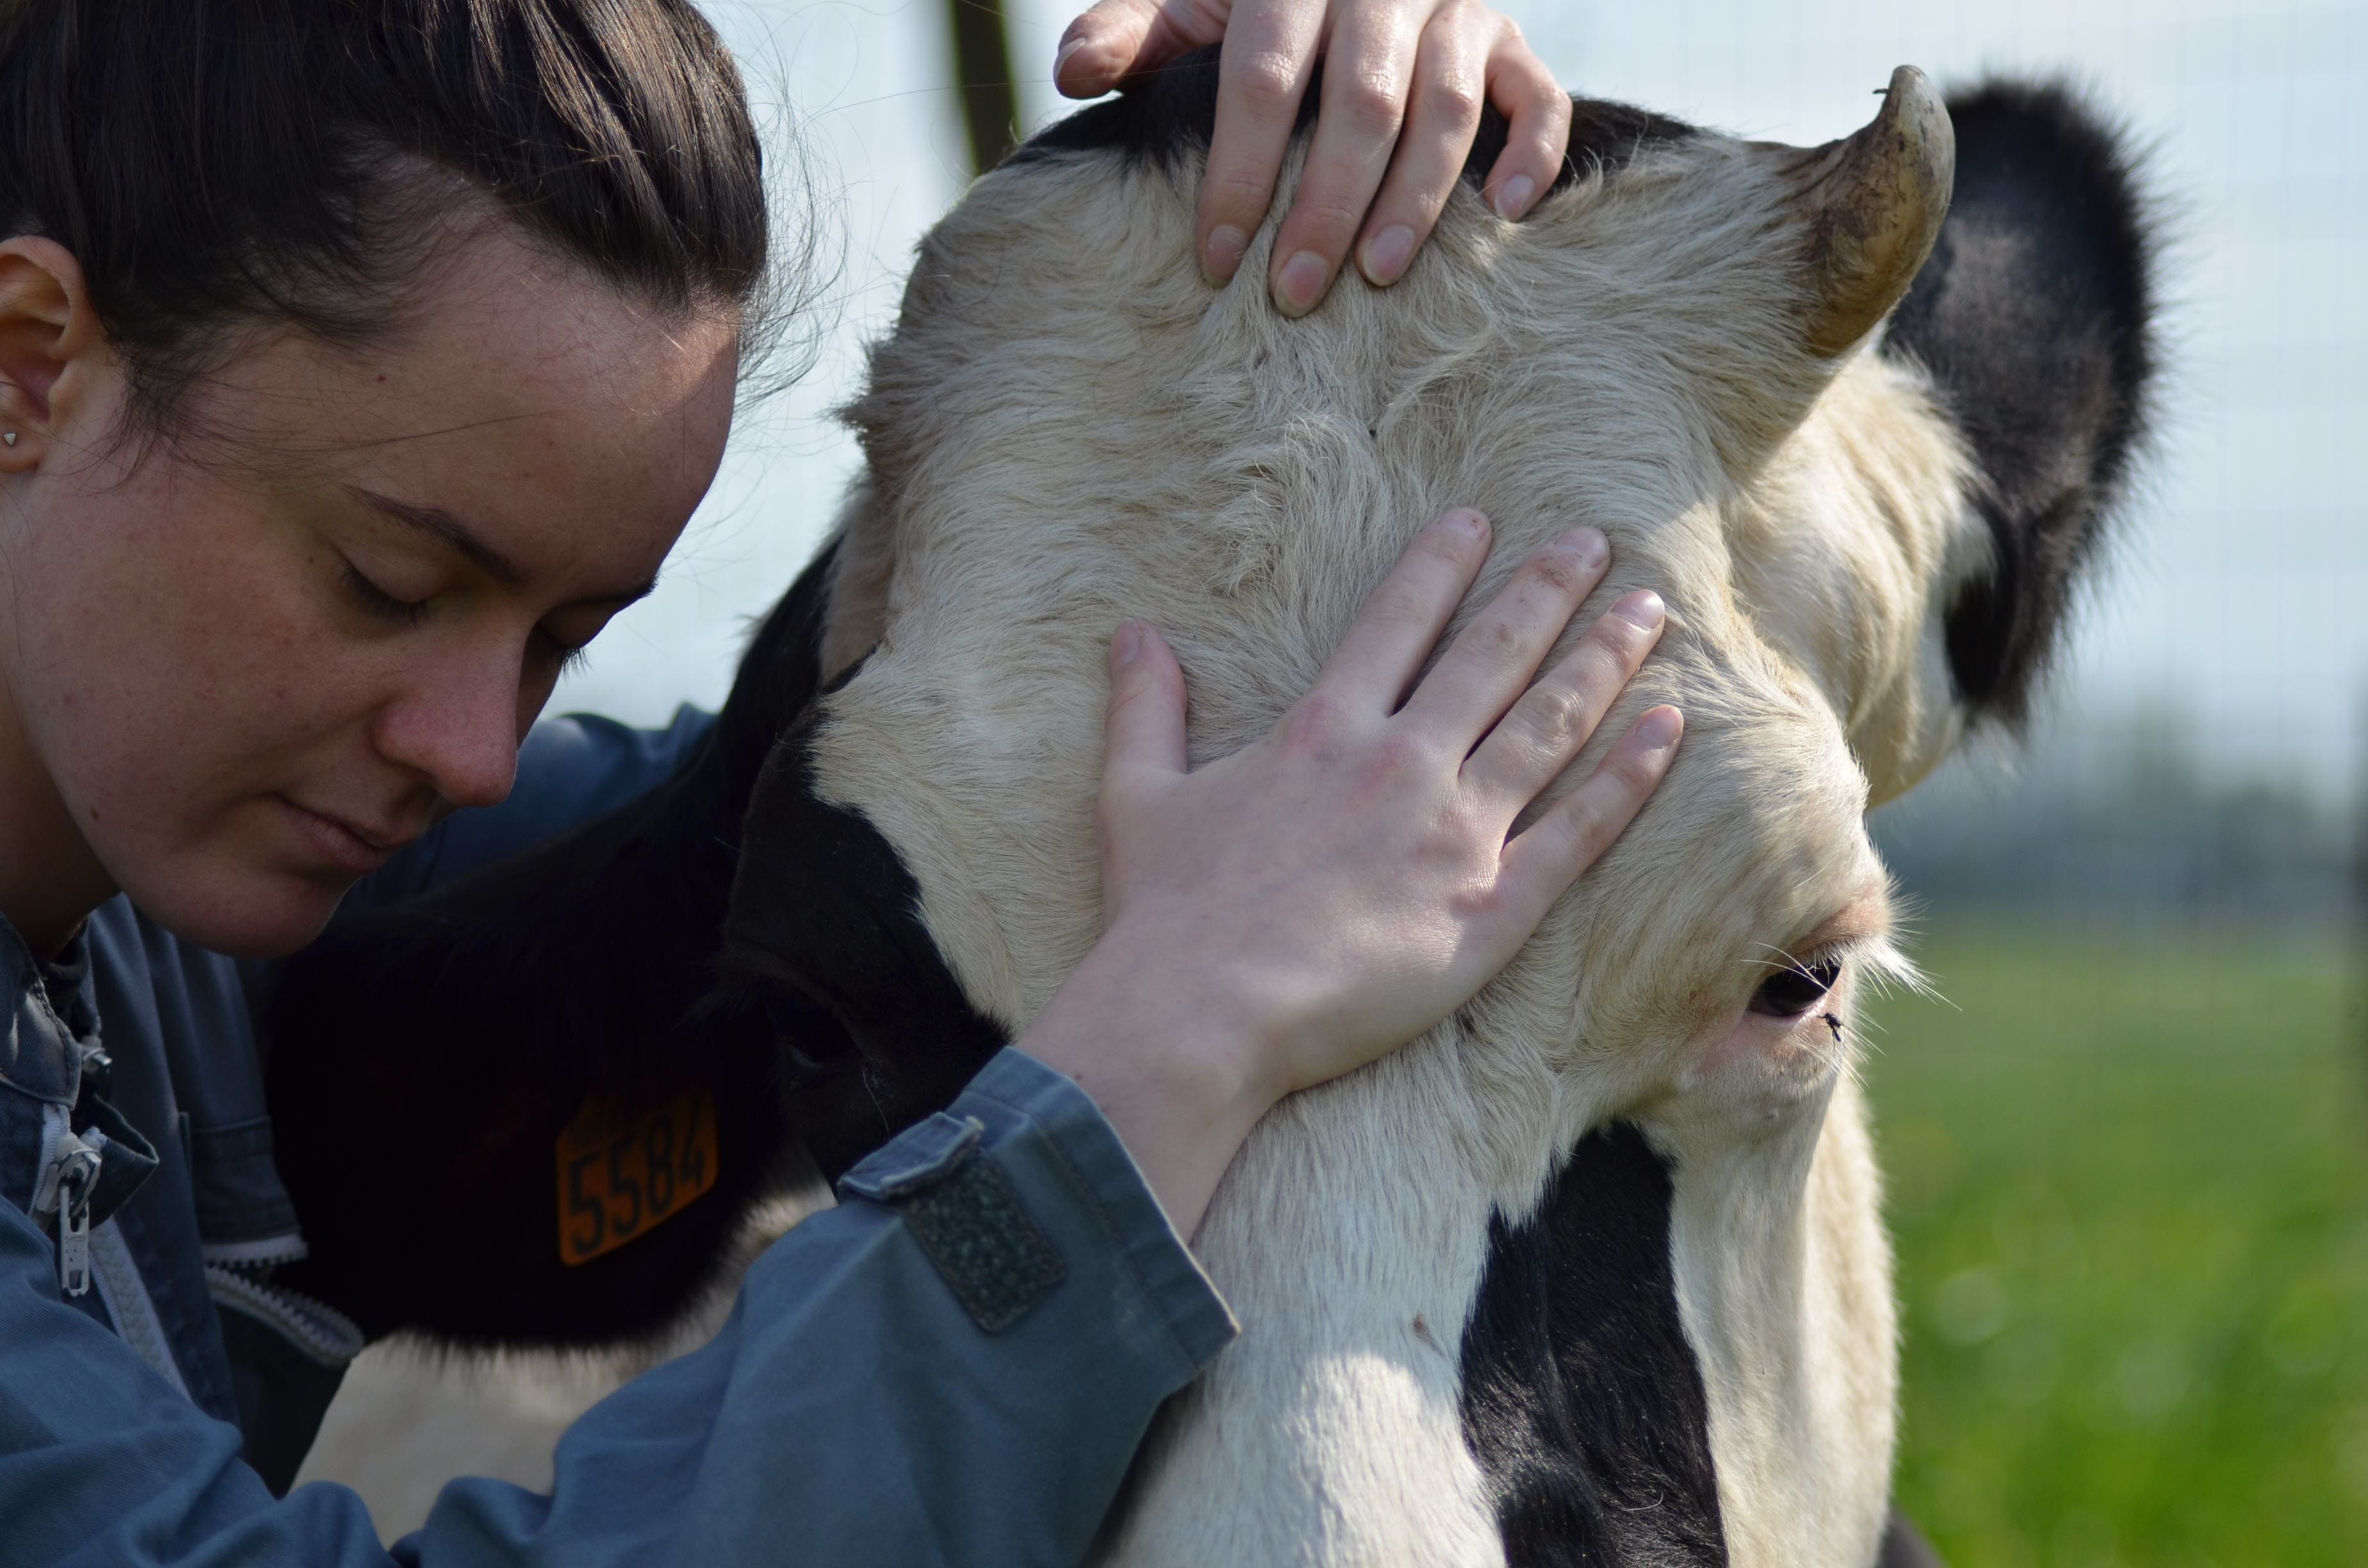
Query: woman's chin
x=252, y=915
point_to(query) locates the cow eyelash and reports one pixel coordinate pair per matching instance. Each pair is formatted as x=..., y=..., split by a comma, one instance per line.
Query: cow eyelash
x=382, y=604
x=1796, y=987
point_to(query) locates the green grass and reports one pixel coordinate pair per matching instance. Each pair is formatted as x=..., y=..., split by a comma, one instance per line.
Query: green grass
x=2129, y=1190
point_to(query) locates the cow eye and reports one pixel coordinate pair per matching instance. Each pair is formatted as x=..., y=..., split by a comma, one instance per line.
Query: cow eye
x=1788, y=992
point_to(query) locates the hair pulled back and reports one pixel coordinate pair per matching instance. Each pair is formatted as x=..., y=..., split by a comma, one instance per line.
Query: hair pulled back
x=215, y=164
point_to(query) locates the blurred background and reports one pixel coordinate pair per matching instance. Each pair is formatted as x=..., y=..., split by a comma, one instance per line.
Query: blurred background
x=2128, y=1138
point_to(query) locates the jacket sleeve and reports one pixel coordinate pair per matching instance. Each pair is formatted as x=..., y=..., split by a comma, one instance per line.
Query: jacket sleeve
x=954, y=1367
x=570, y=770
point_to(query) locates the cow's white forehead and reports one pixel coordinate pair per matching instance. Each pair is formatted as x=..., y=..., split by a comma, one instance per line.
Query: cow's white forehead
x=1068, y=428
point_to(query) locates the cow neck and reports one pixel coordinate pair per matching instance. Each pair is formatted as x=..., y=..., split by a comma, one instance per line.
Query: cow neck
x=1350, y=1236
x=1782, y=1278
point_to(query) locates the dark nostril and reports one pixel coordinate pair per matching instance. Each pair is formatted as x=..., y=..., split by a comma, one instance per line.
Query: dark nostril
x=1788, y=992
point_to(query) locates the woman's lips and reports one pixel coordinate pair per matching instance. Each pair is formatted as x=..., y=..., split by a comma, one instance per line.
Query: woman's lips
x=341, y=843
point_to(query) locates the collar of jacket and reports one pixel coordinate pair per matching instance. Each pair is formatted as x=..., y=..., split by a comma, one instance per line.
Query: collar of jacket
x=51, y=1051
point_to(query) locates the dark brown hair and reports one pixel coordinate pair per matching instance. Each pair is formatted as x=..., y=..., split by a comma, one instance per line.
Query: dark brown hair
x=215, y=164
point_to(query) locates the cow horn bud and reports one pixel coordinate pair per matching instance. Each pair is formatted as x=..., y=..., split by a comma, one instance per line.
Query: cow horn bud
x=1874, y=202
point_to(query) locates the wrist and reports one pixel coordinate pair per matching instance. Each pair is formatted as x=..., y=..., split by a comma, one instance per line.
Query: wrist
x=1176, y=1074
x=1124, y=1017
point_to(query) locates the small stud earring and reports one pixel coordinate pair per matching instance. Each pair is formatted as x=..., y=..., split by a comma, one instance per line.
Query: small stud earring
x=9, y=437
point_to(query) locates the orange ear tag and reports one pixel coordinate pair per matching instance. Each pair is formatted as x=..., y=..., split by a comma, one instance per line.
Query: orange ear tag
x=623, y=1175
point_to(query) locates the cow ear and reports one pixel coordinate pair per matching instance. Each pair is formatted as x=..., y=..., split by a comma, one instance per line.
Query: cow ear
x=2034, y=318
x=826, y=945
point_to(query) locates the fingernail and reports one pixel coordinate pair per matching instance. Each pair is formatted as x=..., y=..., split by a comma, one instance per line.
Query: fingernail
x=1301, y=283
x=1466, y=521
x=1513, y=196
x=1643, y=608
x=1221, y=253
x=1067, y=50
x=1659, y=728
x=1587, y=545
x=1127, y=643
x=1387, y=253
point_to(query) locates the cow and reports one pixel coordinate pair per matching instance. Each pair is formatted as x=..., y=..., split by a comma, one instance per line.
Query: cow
x=1594, y=1271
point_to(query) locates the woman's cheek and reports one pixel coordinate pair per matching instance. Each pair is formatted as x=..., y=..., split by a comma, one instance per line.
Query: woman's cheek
x=221, y=678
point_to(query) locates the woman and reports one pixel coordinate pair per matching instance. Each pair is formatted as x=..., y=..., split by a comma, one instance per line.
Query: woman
x=358, y=362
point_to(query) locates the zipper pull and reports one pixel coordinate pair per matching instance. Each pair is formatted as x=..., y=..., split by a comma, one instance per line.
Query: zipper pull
x=73, y=1227
x=64, y=1190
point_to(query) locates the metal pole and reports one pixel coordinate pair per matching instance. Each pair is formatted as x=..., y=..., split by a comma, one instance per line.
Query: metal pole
x=982, y=73
x=2359, y=934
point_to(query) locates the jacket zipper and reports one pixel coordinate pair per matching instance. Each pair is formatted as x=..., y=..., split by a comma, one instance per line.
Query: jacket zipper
x=313, y=1326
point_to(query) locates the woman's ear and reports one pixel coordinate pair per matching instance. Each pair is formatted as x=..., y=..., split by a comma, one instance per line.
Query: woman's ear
x=50, y=347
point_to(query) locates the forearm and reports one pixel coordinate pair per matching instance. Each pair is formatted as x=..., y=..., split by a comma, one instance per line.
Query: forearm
x=1176, y=1078
x=954, y=1366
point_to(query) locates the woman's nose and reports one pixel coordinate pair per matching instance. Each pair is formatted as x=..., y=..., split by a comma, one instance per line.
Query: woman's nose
x=459, y=732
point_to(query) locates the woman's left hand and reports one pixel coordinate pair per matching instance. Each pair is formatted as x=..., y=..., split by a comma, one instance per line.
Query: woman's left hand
x=1403, y=84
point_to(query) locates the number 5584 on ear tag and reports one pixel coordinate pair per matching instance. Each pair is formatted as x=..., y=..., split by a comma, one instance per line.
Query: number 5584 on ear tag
x=624, y=1172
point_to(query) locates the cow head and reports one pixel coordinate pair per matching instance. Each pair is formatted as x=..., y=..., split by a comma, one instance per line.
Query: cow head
x=1593, y=1271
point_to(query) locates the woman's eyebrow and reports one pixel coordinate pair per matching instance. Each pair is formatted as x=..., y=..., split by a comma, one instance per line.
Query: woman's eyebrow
x=444, y=526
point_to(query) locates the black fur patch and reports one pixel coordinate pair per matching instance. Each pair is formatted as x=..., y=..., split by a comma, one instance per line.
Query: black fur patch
x=2035, y=317
x=1903, y=1546
x=422, y=1060
x=1582, y=1399
x=1166, y=116
x=824, y=936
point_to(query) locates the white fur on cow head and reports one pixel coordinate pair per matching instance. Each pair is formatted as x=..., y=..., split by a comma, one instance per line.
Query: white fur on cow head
x=1067, y=428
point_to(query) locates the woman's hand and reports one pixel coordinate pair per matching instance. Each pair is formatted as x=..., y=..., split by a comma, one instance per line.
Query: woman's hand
x=1403, y=82
x=1311, y=902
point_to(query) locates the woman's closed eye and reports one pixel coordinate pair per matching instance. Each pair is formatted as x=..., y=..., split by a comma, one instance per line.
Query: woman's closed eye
x=382, y=604
x=558, y=651
x=551, y=649
x=1795, y=989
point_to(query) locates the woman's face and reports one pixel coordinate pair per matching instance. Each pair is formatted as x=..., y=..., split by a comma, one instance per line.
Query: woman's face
x=250, y=662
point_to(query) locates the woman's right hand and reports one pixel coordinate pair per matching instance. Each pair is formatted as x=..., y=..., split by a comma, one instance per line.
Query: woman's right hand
x=1293, y=911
